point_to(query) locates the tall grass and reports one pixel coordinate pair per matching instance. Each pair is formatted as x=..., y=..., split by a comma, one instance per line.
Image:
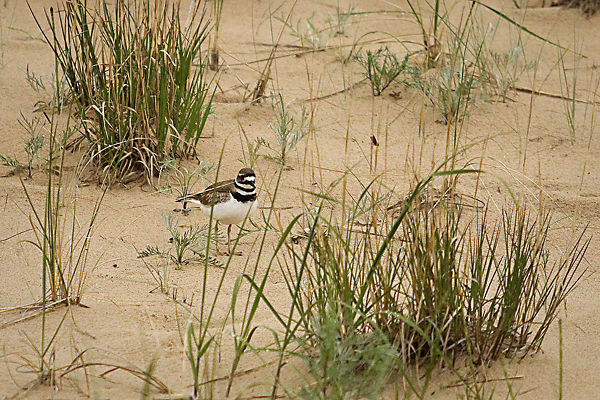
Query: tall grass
x=568, y=88
x=130, y=69
x=64, y=243
x=63, y=247
x=424, y=283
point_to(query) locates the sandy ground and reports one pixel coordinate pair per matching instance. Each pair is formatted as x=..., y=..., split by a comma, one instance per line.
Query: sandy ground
x=127, y=324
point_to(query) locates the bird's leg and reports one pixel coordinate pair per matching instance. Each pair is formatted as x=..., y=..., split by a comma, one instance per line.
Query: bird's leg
x=228, y=238
x=238, y=253
x=217, y=237
x=221, y=253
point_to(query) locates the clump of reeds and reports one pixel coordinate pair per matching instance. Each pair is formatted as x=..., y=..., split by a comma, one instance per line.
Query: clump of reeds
x=434, y=287
x=130, y=68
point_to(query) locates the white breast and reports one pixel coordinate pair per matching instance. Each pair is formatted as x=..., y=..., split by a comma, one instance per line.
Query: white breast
x=231, y=211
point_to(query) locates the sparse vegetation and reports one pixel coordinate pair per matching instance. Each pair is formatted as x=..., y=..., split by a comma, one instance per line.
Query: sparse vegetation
x=337, y=22
x=568, y=85
x=35, y=141
x=308, y=34
x=288, y=129
x=499, y=71
x=252, y=152
x=63, y=239
x=381, y=68
x=371, y=273
x=64, y=255
x=186, y=245
x=179, y=180
x=55, y=93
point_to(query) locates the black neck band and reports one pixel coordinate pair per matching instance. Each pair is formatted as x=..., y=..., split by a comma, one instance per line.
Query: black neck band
x=243, y=198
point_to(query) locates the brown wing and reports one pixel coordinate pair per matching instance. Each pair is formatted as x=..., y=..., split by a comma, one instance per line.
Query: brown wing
x=219, y=191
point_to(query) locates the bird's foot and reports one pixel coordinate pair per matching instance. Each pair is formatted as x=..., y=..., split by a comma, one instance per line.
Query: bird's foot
x=184, y=211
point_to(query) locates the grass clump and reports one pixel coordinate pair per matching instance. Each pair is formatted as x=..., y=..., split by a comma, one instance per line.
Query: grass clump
x=381, y=68
x=288, y=130
x=427, y=283
x=341, y=365
x=186, y=245
x=130, y=69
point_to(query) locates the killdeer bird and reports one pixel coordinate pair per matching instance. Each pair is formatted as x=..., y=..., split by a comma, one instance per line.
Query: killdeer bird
x=231, y=200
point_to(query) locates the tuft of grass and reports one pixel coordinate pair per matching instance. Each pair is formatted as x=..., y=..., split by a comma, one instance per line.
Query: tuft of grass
x=422, y=280
x=35, y=142
x=56, y=92
x=130, y=69
x=381, y=68
x=184, y=243
x=288, y=130
x=499, y=71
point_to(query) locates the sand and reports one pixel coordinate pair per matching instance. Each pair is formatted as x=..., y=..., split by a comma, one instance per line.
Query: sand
x=127, y=322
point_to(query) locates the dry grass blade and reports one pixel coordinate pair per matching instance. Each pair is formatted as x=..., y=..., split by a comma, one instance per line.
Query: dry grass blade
x=33, y=310
x=137, y=372
x=259, y=91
